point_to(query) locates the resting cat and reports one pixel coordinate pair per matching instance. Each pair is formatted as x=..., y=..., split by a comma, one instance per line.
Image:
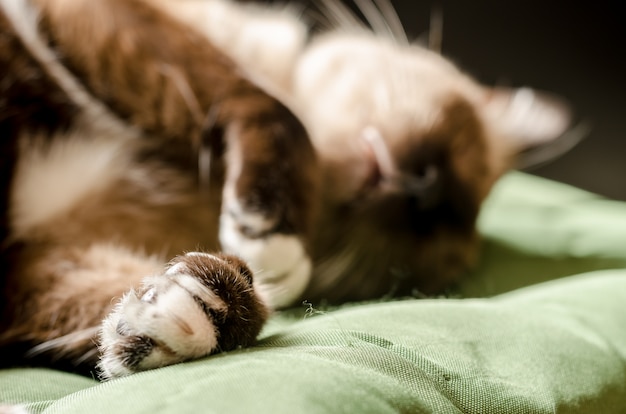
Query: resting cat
x=138, y=130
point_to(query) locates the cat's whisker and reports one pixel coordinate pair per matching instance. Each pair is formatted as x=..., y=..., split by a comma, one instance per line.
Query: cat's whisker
x=185, y=91
x=339, y=16
x=333, y=267
x=65, y=341
x=537, y=157
x=90, y=355
x=435, y=33
x=376, y=20
x=320, y=19
x=380, y=15
x=390, y=15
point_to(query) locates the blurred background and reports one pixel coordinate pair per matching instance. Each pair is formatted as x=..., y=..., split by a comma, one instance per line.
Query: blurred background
x=574, y=49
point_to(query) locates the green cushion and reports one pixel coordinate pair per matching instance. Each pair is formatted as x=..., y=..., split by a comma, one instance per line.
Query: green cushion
x=537, y=230
x=554, y=346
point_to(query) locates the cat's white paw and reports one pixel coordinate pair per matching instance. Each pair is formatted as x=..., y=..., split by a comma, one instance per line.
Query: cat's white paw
x=281, y=263
x=202, y=304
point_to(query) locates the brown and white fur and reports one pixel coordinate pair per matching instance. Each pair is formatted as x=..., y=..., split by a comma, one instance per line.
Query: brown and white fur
x=139, y=134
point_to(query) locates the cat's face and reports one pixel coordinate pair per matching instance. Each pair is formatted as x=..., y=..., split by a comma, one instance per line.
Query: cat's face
x=409, y=147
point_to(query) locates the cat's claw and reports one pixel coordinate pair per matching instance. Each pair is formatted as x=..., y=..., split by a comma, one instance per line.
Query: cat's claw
x=200, y=305
x=280, y=261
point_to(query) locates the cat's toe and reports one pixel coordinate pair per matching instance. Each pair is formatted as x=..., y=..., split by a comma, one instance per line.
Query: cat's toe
x=202, y=304
x=281, y=263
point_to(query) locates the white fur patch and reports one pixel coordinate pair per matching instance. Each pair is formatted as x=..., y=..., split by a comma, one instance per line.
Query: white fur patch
x=280, y=263
x=50, y=179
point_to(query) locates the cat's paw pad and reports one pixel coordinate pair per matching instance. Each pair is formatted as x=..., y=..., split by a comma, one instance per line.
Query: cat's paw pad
x=202, y=304
x=280, y=261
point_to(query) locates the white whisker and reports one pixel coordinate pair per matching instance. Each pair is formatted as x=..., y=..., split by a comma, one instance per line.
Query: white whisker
x=335, y=267
x=435, y=34
x=340, y=16
x=375, y=19
x=319, y=18
x=89, y=355
x=541, y=155
x=379, y=14
x=189, y=97
x=65, y=341
x=390, y=15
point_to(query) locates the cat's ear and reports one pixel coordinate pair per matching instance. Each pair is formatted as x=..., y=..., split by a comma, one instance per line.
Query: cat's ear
x=536, y=125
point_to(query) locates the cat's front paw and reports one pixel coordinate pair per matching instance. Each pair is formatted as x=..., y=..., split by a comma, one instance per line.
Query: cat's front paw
x=280, y=261
x=201, y=305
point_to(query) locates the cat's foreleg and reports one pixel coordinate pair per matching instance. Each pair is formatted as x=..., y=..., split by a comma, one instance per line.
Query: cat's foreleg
x=269, y=201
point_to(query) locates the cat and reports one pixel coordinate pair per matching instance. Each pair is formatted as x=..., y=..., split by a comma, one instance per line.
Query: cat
x=267, y=163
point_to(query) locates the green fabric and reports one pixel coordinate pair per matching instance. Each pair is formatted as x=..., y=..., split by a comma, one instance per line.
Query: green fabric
x=558, y=346
x=537, y=230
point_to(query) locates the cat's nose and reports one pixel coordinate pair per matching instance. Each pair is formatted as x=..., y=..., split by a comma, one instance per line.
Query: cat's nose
x=424, y=188
x=424, y=179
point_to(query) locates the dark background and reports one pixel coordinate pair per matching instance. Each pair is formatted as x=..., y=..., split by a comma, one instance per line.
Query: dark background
x=574, y=49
